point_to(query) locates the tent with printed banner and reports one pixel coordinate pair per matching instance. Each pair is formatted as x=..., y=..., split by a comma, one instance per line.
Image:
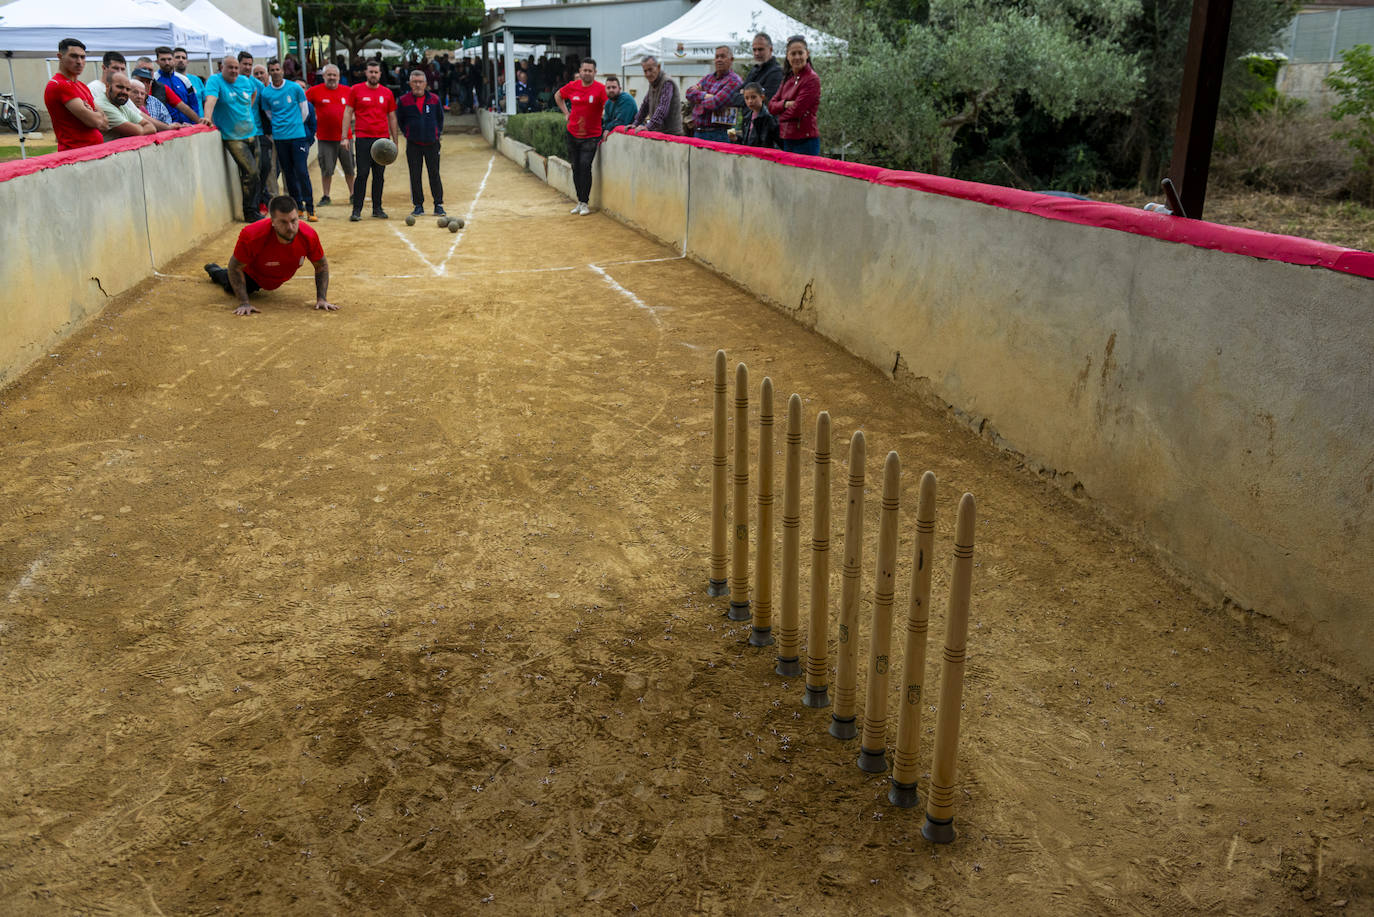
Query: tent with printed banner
x=693, y=37
x=237, y=37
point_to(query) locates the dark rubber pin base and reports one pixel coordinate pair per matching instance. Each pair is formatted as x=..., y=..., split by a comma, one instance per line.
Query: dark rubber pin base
x=843, y=728
x=903, y=795
x=938, y=831
x=788, y=666
x=761, y=636
x=816, y=697
x=739, y=611
x=717, y=588
x=873, y=762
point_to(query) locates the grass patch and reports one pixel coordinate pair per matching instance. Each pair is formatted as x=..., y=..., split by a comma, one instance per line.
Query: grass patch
x=8, y=153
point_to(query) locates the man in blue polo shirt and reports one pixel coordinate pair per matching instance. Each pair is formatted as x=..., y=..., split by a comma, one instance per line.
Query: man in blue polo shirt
x=285, y=104
x=231, y=105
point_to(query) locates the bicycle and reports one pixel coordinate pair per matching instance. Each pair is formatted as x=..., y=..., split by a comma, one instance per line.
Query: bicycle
x=12, y=111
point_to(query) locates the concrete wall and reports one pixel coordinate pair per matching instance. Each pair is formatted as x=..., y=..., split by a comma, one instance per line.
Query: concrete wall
x=92, y=230
x=1306, y=80
x=1218, y=406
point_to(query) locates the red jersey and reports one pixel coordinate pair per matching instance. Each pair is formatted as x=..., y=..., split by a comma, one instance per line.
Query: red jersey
x=584, y=108
x=329, y=110
x=71, y=133
x=370, y=109
x=267, y=260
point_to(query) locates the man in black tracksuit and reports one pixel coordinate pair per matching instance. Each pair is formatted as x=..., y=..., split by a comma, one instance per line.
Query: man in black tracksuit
x=420, y=115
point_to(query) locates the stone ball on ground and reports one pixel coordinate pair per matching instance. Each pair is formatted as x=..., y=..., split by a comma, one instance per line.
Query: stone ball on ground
x=443, y=221
x=454, y=225
x=410, y=219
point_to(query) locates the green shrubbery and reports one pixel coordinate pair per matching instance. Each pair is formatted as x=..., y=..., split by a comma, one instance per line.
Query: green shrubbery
x=1354, y=83
x=546, y=131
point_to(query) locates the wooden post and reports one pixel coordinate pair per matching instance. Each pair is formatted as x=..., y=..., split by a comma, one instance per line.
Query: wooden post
x=739, y=556
x=762, y=633
x=1198, y=102
x=905, y=759
x=817, y=667
x=873, y=745
x=842, y=720
x=789, y=654
x=716, y=586
x=939, y=824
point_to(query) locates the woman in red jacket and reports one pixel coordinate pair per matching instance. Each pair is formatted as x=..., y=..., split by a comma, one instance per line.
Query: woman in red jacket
x=797, y=100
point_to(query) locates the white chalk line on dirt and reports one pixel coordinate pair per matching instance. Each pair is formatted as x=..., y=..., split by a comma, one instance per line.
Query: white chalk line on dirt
x=653, y=313
x=25, y=581
x=441, y=269
x=578, y=267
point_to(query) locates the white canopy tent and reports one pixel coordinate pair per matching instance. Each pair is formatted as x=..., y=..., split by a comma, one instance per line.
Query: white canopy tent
x=236, y=37
x=693, y=37
x=32, y=28
x=199, y=39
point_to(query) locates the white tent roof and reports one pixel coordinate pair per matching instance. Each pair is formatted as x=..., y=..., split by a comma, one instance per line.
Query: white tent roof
x=198, y=39
x=36, y=26
x=694, y=36
x=236, y=36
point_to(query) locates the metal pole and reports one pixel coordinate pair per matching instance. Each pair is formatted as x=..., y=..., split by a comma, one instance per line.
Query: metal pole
x=300, y=40
x=509, y=44
x=18, y=115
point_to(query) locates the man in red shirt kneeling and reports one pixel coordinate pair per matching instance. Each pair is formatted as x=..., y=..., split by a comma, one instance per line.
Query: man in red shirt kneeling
x=269, y=252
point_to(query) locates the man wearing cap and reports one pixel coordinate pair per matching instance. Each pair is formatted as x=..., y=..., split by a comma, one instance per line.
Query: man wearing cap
x=371, y=115
x=269, y=252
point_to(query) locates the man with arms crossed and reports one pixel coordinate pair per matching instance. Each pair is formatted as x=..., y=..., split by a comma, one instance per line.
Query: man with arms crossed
x=71, y=107
x=372, y=108
x=330, y=99
x=269, y=252
x=582, y=101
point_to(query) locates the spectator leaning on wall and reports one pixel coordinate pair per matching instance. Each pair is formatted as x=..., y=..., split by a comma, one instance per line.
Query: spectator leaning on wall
x=154, y=110
x=767, y=72
x=110, y=62
x=797, y=101
x=712, y=114
x=231, y=101
x=188, y=111
x=660, y=110
x=123, y=115
x=179, y=57
x=71, y=107
x=620, y=107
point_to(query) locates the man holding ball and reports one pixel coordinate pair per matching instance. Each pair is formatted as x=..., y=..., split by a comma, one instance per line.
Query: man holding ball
x=371, y=115
x=269, y=252
x=582, y=101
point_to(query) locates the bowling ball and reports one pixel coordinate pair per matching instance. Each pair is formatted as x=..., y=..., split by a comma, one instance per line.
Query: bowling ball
x=454, y=225
x=459, y=221
x=383, y=152
x=410, y=219
x=443, y=221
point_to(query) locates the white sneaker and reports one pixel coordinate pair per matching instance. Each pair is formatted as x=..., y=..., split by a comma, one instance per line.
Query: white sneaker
x=583, y=209
x=576, y=209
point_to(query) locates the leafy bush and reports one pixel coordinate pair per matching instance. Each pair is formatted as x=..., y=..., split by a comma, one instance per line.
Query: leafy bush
x=1354, y=83
x=546, y=131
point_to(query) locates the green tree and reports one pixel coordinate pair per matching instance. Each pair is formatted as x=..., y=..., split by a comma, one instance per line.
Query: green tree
x=354, y=23
x=1354, y=84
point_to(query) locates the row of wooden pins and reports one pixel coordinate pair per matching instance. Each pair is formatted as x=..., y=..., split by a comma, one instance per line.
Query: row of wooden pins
x=939, y=823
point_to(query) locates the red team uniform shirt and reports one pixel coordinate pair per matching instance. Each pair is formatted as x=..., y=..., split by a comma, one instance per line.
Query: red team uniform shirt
x=71, y=133
x=329, y=110
x=584, y=108
x=370, y=108
x=267, y=260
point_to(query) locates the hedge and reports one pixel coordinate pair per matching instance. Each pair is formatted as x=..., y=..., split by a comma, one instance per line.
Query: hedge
x=545, y=131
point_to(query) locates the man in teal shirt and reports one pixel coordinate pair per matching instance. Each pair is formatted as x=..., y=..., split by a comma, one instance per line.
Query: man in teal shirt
x=284, y=103
x=620, y=107
x=231, y=105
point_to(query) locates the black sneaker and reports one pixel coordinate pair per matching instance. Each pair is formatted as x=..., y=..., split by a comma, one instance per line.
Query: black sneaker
x=354, y=217
x=419, y=211
x=211, y=268
x=379, y=215
x=439, y=210
x=325, y=201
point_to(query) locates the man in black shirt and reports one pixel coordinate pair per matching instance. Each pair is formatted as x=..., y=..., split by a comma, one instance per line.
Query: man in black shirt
x=767, y=72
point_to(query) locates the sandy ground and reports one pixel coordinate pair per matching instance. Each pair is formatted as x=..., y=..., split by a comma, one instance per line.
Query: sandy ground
x=402, y=610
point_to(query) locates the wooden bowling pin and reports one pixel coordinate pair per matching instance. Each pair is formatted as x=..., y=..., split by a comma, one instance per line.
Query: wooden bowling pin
x=817, y=667
x=716, y=586
x=939, y=824
x=789, y=654
x=762, y=633
x=739, y=551
x=907, y=752
x=842, y=720
x=873, y=745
